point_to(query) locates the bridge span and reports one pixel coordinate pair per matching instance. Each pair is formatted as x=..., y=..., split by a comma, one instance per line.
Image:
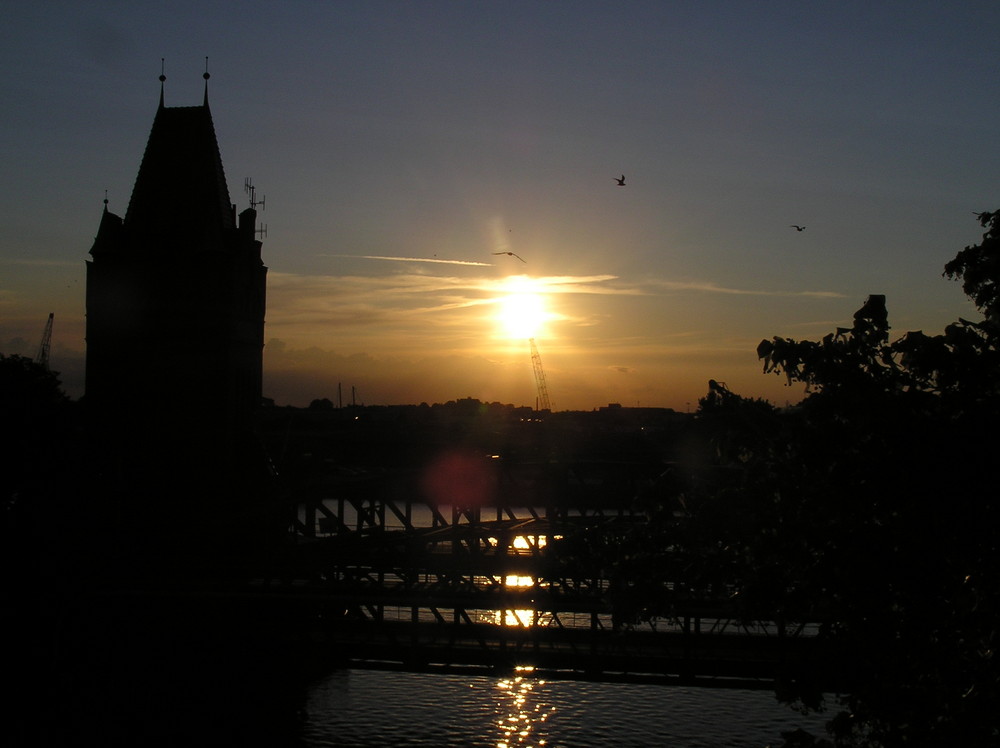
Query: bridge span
x=396, y=585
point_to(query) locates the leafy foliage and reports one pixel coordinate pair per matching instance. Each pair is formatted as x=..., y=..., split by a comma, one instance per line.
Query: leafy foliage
x=27, y=387
x=869, y=508
x=979, y=268
x=885, y=476
x=31, y=401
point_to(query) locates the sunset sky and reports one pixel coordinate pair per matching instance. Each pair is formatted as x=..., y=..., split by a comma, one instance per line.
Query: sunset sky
x=399, y=146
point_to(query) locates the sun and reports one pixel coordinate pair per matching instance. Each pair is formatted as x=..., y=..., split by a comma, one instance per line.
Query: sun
x=521, y=310
x=521, y=314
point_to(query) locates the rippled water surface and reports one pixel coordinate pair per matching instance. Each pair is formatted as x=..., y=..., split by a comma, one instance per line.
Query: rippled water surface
x=372, y=708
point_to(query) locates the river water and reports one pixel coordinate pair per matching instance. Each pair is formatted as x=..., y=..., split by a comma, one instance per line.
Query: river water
x=361, y=708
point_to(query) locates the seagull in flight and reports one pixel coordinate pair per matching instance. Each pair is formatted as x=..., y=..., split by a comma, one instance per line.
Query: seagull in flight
x=796, y=227
x=620, y=180
x=512, y=255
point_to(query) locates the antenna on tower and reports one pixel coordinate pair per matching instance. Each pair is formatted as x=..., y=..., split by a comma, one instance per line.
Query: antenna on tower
x=206, y=76
x=42, y=357
x=252, y=194
x=163, y=77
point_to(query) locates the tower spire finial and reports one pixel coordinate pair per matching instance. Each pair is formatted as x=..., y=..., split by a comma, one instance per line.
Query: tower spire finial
x=162, y=78
x=206, y=76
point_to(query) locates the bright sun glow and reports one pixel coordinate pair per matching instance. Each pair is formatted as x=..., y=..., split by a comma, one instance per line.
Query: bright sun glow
x=522, y=311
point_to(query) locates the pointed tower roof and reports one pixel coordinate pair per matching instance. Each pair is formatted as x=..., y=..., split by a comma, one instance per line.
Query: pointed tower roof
x=108, y=237
x=181, y=186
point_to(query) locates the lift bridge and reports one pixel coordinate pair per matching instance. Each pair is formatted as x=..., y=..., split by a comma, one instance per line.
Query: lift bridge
x=398, y=584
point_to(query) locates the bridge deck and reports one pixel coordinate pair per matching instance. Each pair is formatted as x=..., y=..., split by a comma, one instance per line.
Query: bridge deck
x=477, y=591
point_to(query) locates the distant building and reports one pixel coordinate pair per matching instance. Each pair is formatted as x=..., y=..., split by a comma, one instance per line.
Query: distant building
x=176, y=289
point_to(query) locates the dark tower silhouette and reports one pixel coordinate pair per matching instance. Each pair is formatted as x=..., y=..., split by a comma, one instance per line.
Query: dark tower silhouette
x=175, y=291
x=175, y=326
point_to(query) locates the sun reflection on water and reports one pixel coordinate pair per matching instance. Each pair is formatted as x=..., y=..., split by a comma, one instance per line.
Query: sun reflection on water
x=519, y=713
x=519, y=617
x=523, y=617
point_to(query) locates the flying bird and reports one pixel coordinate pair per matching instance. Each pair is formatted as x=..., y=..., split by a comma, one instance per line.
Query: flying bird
x=797, y=228
x=512, y=255
x=620, y=180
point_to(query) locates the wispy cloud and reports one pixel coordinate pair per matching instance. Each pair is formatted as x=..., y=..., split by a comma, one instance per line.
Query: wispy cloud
x=406, y=303
x=587, y=284
x=413, y=311
x=708, y=287
x=414, y=259
x=37, y=262
x=364, y=300
x=387, y=290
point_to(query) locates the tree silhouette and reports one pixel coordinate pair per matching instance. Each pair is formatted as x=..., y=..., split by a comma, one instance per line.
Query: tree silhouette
x=978, y=266
x=877, y=493
x=31, y=405
x=869, y=508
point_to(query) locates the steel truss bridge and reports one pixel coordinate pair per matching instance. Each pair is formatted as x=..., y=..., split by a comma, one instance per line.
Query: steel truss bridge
x=402, y=585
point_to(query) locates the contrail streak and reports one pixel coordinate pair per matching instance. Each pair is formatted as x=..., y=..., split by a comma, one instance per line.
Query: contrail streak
x=416, y=259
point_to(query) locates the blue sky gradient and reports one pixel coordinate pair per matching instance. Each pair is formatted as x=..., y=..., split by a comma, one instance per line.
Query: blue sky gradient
x=400, y=145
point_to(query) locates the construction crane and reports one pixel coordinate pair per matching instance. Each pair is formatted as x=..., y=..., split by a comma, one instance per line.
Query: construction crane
x=42, y=357
x=543, y=391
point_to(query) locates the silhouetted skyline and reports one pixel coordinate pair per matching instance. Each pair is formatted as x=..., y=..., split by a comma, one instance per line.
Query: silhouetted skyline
x=400, y=147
